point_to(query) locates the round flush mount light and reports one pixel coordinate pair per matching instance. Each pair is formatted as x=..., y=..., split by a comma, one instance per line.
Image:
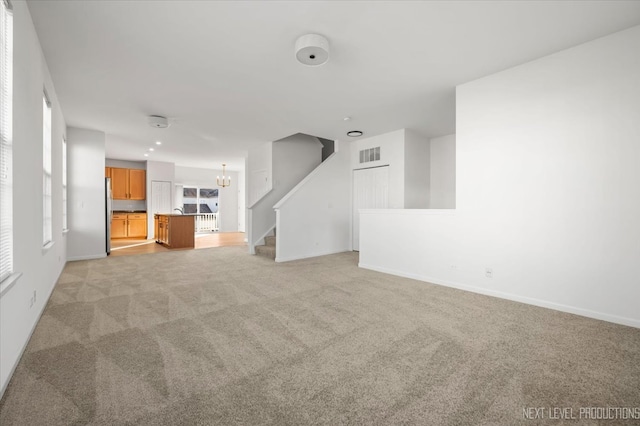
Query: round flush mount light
x=354, y=133
x=158, y=143
x=312, y=49
x=158, y=122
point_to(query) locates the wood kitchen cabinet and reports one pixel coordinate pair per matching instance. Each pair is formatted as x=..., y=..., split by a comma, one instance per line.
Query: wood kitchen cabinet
x=175, y=231
x=129, y=225
x=119, y=226
x=127, y=184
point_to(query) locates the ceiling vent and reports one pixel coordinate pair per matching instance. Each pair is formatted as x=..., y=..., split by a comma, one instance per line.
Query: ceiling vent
x=158, y=122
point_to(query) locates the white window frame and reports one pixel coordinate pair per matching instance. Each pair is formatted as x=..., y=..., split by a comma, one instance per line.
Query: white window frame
x=7, y=276
x=47, y=210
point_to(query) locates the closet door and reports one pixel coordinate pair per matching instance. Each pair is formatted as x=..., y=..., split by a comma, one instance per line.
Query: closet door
x=370, y=191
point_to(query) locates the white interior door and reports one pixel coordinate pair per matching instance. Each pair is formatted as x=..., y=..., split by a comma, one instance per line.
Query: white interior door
x=370, y=191
x=161, y=197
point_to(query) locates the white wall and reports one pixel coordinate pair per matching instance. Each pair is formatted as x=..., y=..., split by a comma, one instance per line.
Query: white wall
x=40, y=268
x=392, y=154
x=159, y=171
x=314, y=218
x=259, y=172
x=227, y=197
x=547, y=188
x=443, y=172
x=242, y=198
x=416, y=171
x=87, y=226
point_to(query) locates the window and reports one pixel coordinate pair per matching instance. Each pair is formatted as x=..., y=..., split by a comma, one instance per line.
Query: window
x=65, y=225
x=46, y=171
x=199, y=200
x=6, y=140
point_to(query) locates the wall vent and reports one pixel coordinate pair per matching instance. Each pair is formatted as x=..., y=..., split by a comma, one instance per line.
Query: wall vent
x=371, y=154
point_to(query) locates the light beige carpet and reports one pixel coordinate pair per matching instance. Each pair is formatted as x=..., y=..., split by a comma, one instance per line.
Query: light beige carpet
x=216, y=336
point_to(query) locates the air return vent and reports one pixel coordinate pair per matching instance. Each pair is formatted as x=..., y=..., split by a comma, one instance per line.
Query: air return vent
x=371, y=154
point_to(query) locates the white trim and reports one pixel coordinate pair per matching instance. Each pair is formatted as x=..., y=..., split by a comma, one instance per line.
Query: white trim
x=307, y=256
x=88, y=257
x=47, y=246
x=9, y=282
x=508, y=296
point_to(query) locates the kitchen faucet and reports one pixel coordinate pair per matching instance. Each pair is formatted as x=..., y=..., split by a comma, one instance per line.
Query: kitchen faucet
x=179, y=209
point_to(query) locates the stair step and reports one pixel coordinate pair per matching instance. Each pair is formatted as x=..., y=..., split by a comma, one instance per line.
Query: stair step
x=270, y=241
x=267, y=251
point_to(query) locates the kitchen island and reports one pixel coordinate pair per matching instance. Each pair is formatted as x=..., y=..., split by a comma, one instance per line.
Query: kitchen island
x=175, y=230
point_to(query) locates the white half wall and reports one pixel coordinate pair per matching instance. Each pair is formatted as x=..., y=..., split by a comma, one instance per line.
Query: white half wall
x=547, y=188
x=443, y=172
x=314, y=218
x=22, y=302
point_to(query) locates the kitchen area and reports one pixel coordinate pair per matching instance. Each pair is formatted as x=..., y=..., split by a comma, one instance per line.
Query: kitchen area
x=140, y=214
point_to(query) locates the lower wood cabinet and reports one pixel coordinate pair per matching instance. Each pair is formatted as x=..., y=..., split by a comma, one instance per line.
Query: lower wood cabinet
x=129, y=225
x=175, y=231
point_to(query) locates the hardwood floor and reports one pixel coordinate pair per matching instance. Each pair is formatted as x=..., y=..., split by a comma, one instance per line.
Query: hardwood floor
x=132, y=246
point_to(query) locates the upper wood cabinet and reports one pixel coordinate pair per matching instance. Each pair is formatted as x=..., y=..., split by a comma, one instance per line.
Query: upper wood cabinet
x=127, y=184
x=137, y=184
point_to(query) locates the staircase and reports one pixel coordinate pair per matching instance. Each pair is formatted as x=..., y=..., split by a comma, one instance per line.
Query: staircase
x=269, y=247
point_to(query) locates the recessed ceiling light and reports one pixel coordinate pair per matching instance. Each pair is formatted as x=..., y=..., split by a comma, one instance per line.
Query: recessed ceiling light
x=347, y=118
x=146, y=155
x=151, y=149
x=158, y=143
x=354, y=133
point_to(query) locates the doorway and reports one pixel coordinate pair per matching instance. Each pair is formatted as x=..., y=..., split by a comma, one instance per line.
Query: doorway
x=370, y=191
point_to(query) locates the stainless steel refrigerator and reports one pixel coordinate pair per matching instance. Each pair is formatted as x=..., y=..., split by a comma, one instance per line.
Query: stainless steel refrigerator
x=108, y=212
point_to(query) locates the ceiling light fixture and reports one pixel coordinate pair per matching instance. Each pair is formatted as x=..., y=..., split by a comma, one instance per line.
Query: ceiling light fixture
x=146, y=155
x=354, y=133
x=151, y=149
x=226, y=180
x=158, y=121
x=158, y=143
x=312, y=49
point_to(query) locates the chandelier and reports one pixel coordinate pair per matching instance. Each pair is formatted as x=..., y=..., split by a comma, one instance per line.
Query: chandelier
x=226, y=180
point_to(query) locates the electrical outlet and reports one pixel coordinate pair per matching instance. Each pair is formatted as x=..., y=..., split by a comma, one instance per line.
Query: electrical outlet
x=454, y=267
x=488, y=273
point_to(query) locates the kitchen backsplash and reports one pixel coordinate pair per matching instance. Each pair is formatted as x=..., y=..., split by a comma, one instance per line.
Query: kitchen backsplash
x=126, y=205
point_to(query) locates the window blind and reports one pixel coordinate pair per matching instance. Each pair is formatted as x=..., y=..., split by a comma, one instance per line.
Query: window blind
x=65, y=225
x=46, y=171
x=6, y=140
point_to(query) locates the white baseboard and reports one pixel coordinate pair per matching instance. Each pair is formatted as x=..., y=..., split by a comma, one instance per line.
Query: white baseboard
x=510, y=296
x=88, y=257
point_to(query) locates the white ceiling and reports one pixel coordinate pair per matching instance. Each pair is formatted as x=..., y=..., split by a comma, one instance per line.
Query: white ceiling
x=225, y=72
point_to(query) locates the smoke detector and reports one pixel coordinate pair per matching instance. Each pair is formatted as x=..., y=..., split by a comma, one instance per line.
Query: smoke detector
x=158, y=121
x=312, y=49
